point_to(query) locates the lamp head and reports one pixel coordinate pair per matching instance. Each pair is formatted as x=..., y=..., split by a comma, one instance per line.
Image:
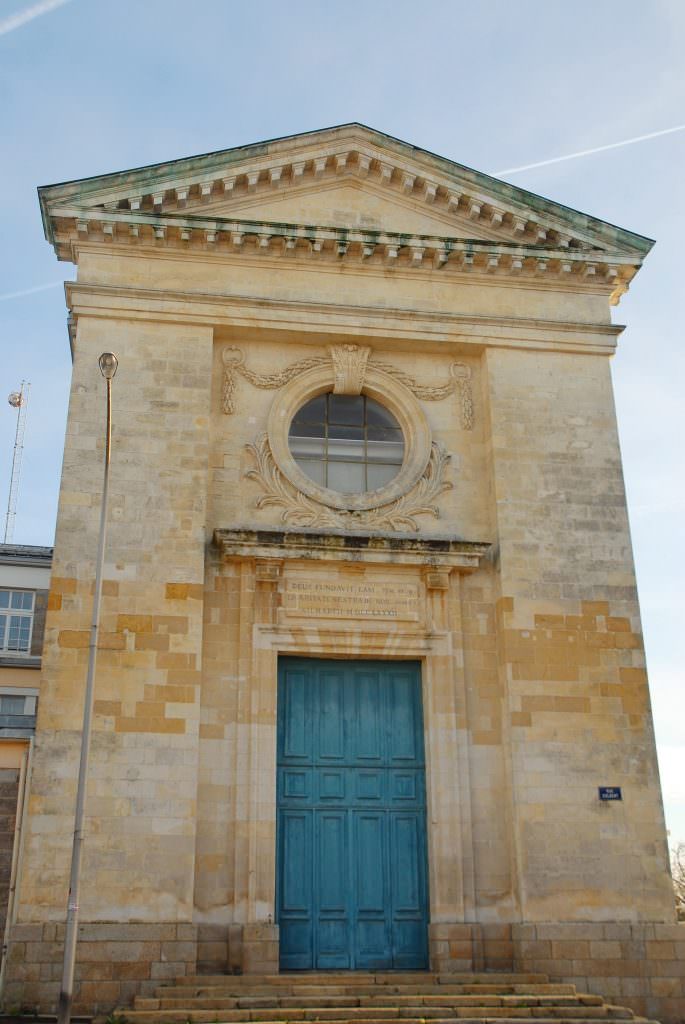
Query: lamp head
x=108, y=363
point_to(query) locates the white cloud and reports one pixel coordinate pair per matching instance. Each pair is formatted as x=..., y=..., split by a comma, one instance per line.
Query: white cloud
x=22, y=17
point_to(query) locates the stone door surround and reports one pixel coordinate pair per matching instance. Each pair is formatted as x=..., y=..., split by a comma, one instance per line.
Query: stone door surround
x=353, y=596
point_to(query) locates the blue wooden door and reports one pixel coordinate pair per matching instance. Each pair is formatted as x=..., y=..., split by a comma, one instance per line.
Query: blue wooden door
x=351, y=862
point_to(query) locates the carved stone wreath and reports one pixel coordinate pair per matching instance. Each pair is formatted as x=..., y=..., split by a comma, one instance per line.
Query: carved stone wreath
x=300, y=510
x=349, y=363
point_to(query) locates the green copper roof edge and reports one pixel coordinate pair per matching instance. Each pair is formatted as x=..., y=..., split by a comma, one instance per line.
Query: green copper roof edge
x=641, y=243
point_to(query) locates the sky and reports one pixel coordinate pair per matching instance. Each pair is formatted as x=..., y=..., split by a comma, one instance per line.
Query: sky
x=89, y=86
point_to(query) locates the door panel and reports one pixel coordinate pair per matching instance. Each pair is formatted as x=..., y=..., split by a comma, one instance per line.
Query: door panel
x=369, y=786
x=332, y=926
x=369, y=863
x=331, y=708
x=403, y=714
x=296, y=890
x=331, y=785
x=297, y=718
x=332, y=848
x=366, y=696
x=405, y=874
x=352, y=880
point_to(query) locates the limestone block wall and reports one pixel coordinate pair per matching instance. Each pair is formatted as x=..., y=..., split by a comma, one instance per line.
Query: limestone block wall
x=229, y=722
x=635, y=964
x=9, y=794
x=570, y=647
x=338, y=288
x=140, y=849
x=40, y=605
x=495, y=880
x=114, y=962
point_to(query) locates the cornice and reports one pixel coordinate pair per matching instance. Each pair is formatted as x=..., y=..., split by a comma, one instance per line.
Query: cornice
x=335, y=546
x=311, y=321
x=308, y=244
x=348, y=150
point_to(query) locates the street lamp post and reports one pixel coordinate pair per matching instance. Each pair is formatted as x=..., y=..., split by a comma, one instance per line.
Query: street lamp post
x=108, y=367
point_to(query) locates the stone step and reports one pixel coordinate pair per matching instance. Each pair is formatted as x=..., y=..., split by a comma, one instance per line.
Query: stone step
x=343, y=977
x=171, y=1002
x=381, y=1013
x=354, y=978
x=340, y=997
x=228, y=988
x=211, y=1017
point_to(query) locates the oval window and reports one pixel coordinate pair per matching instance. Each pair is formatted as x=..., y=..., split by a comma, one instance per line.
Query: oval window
x=348, y=443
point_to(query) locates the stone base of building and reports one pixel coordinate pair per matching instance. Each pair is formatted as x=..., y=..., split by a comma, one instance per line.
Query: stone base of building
x=114, y=963
x=455, y=948
x=637, y=965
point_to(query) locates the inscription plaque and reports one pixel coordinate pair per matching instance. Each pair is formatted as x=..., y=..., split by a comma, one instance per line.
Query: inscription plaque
x=351, y=599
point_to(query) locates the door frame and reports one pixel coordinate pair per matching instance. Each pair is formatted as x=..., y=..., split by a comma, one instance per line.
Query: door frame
x=436, y=642
x=448, y=807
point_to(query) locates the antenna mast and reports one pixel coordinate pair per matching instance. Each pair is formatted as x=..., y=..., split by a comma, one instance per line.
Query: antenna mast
x=19, y=400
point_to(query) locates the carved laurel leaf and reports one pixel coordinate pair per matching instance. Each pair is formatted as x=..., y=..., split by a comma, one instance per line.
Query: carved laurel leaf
x=402, y=512
x=300, y=510
x=466, y=403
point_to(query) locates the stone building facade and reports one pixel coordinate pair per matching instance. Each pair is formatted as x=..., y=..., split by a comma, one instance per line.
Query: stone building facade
x=370, y=636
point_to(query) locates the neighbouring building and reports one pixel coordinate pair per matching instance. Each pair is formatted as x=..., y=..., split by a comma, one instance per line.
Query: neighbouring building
x=24, y=586
x=371, y=678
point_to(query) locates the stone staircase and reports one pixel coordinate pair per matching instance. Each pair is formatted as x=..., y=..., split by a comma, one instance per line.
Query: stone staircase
x=371, y=998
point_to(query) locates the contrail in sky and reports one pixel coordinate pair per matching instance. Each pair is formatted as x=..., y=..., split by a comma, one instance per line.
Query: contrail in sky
x=21, y=17
x=589, y=152
x=30, y=291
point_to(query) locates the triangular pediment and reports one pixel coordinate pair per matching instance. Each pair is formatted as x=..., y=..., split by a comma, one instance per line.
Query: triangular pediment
x=355, y=205
x=350, y=177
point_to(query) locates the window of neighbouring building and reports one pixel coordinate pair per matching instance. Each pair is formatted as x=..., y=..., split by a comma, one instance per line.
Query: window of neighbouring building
x=16, y=620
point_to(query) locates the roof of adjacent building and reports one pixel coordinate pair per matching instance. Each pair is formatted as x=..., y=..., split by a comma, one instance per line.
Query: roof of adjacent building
x=26, y=554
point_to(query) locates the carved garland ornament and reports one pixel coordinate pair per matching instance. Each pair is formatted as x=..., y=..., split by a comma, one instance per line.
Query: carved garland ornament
x=234, y=363
x=300, y=510
x=460, y=380
x=349, y=366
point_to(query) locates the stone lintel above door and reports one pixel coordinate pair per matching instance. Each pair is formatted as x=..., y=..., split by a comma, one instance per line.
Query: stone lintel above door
x=362, y=548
